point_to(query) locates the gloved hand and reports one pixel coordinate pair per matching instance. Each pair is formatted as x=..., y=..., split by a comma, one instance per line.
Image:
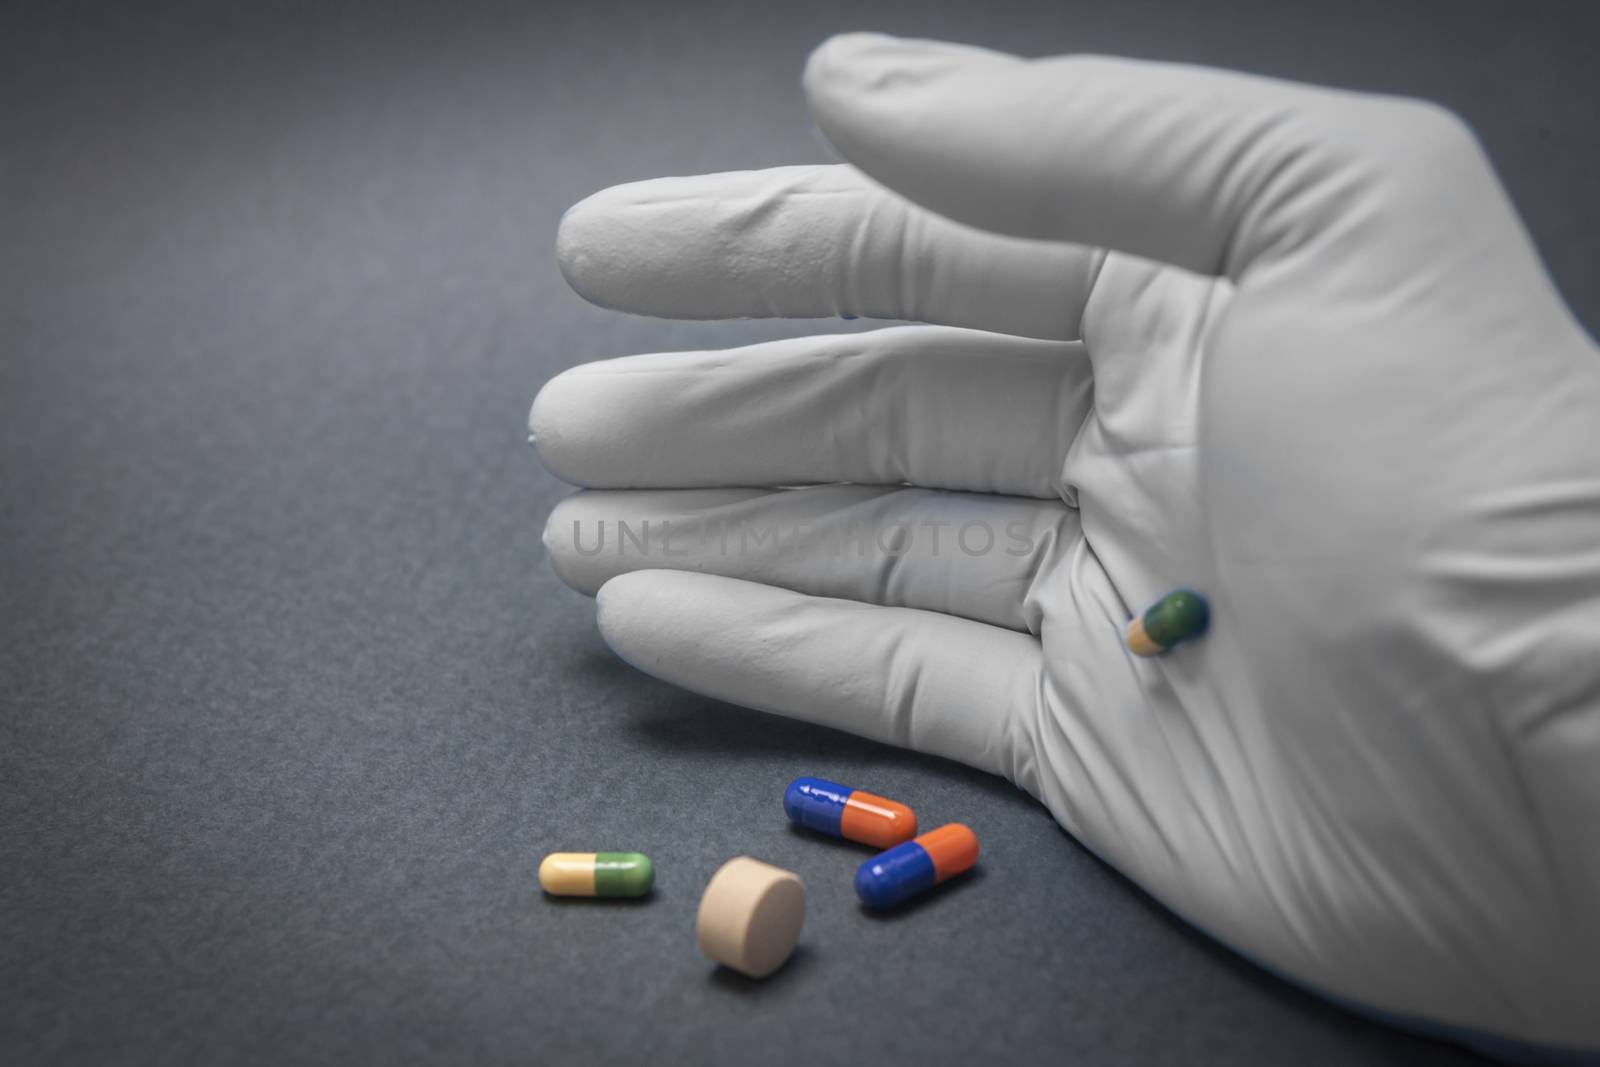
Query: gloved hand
x=1287, y=346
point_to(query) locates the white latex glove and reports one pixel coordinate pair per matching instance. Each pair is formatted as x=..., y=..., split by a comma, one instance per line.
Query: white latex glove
x=1338, y=394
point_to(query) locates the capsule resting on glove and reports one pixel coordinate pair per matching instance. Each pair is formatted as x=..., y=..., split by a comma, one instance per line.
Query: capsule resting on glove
x=1178, y=616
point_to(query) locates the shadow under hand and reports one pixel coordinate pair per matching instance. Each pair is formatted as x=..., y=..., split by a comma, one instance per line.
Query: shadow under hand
x=673, y=721
x=1411, y=1040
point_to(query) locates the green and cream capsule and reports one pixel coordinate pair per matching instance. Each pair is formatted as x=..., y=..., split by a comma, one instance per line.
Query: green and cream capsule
x=1178, y=616
x=597, y=874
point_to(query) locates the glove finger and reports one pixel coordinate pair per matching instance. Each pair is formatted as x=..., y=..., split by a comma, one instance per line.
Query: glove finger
x=976, y=556
x=931, y=406
x=1203, y=169
x=812, y=241
x=946, y=686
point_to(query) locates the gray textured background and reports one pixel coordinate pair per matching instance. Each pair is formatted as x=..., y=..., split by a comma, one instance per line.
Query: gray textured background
x=291, y=704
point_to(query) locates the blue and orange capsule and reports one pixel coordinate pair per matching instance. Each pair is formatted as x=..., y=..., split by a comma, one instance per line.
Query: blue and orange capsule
x=853, y=814
x=907, y=870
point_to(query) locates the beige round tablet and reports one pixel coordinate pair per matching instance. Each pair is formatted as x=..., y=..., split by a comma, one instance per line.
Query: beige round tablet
x=750, y=916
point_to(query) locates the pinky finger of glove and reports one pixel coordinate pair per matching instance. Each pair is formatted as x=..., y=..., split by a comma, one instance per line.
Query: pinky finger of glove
x=930, y=682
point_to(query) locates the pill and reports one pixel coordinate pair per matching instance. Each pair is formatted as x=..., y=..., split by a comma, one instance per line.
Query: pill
x=750, y=916
x=597, y=874
x=894, y=877
x=1178, y=616
x=853, y=814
